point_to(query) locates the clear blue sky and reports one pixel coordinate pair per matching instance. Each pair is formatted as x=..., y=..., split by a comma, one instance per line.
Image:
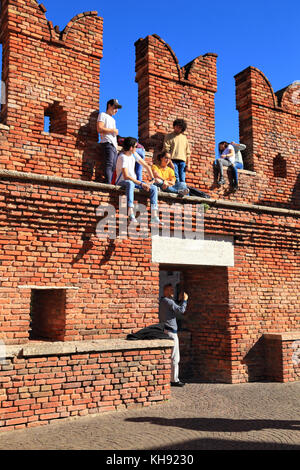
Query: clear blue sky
x=261, y=33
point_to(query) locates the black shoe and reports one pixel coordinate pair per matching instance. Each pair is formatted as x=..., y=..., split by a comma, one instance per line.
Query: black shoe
x=221, y=181
x=177, y=384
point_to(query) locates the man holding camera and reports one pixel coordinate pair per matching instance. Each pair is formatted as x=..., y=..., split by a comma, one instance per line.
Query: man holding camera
x=169, y=312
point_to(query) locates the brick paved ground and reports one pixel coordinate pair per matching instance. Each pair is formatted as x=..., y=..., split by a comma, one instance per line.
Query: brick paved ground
x=252, y=416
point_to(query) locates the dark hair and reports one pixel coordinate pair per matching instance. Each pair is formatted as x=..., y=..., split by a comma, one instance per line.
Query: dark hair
x=180, y=123
x=161, y=155
x=168, y=285
x=115, y=103
x=222, y=143
x=129, y=142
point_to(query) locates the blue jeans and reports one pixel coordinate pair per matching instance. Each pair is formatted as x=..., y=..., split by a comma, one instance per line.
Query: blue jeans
x=237, y=166
x=179, y=168
x=130, y=186
x=111, y=155
x=138, y=167
x=173, y=189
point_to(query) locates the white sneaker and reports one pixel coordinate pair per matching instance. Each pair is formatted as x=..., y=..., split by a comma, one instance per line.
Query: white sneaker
x=155, y=220
x=183, y=192
x=131, y=218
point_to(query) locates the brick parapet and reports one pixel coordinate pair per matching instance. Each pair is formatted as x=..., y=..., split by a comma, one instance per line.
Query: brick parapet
x=49, y=73
x=93, y=185
x=168, y=91
x=40, y=348
x=269, y=126
x=52, y=382
x=268, y=123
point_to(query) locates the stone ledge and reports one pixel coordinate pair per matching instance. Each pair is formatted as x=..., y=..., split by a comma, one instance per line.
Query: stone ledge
x=91, y=185
x=75, y=347
x=47, y=287
x=284, y=336
x=247, y=172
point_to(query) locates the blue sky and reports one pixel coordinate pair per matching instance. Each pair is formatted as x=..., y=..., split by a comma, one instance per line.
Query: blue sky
x=264, y=34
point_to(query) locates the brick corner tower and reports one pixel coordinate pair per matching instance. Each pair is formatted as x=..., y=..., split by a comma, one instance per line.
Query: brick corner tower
x=49, y=75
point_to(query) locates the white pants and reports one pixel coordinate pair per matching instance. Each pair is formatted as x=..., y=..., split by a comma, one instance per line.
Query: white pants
x=175, y=357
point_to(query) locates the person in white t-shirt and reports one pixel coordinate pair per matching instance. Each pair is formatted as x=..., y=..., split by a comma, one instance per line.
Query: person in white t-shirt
x=229, y=156
x=126, y=177
x=106, y=127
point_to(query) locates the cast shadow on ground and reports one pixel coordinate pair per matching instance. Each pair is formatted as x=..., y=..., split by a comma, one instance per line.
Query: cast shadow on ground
x=227, y=444
x=220, y=424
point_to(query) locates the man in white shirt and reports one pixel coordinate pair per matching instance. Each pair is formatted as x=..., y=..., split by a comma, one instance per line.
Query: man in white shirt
x=126, y=177
x=106, y=127
x=229, y=156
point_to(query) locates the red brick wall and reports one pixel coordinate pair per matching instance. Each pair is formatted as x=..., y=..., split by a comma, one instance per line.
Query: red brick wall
x=48, y=228
x=270, y=127
x=48, y=238
x=282, y=357
x=38, y=389
x=230, y=309
x=49, y=68
x=117, y=285
x=269, y=123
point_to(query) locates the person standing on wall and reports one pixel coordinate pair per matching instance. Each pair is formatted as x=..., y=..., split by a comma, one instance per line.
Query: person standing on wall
x=106, y=127
x=178, y=149
x=169, y=312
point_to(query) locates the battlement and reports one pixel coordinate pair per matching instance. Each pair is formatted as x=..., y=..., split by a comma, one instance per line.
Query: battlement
x=253, y=88
x=49, y=74
x=270, y=127
x=52, y=74
x=27, y=18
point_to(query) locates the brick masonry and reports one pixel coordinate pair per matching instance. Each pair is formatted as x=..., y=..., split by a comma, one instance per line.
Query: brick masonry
x=50, y=72
x=98, y=289
x=37, y=388
x=269, y=122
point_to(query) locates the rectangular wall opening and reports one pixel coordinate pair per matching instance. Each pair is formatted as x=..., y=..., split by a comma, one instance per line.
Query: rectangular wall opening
x=204, y=337
x=47, y=314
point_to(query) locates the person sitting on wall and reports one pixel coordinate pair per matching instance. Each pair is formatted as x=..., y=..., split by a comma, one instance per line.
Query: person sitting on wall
x=106, y=127
x=165, y=176
x=239, y=164
x=126, y=177
x=229, y=156
x=169, y=312
x=140, y=150
x=178, y=149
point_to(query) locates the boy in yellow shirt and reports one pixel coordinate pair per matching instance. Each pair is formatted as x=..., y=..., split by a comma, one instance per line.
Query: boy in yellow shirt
x=165, y=176
x=178, y=149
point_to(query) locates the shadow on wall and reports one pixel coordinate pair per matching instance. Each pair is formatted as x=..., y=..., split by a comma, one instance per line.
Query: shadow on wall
x=155, y=143
x=255, y=361
x=87, y=143
x=295, y=199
